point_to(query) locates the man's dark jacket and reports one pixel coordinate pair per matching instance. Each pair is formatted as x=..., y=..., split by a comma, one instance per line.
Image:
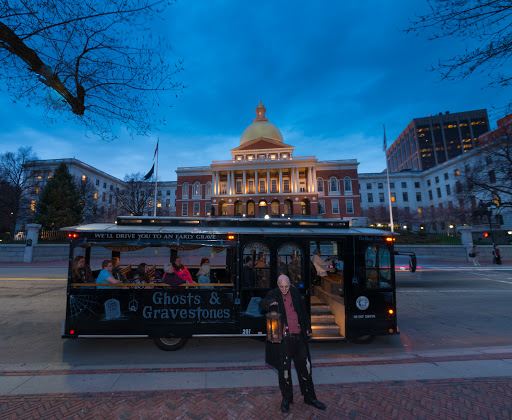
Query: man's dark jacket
x=275, y=353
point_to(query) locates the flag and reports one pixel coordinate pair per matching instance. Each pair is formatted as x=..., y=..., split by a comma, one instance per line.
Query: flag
x=385, y=145
x=156, y=150
x=150, y=173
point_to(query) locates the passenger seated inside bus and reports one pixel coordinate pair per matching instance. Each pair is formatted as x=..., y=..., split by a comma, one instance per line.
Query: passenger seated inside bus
x=181, y=271
x=116, y=271
x=294, y=270
x=262, y=274
x=105, y=275
x=171, y=278
x=248, y=272
x=203, y=274
x=81, y=271
x=141, y=275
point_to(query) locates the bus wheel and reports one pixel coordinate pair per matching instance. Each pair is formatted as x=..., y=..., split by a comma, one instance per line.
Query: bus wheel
x=169, y=344
x=363, y=339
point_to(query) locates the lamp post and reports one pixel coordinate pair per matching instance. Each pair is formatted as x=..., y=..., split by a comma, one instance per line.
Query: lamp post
x=487, y=208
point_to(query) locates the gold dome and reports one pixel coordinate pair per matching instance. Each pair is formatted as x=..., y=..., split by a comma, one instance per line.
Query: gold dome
x=261, y=128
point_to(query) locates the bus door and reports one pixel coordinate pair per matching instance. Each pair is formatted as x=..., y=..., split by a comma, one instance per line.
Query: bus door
x=370, y=294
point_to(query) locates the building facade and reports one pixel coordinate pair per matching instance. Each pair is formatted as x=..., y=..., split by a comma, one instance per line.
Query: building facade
x=99, y=189
x=430, y=141
x=265, y=178
x=431, y=198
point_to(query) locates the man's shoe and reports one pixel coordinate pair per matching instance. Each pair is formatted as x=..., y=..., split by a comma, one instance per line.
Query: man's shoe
x=285, y=406
x=315, y=403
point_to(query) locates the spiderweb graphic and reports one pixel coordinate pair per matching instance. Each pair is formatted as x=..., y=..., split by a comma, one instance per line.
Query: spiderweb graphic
x=80, y=305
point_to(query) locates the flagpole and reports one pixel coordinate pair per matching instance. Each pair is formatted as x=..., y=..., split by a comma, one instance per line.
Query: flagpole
x=156, y=180
x=389, y=188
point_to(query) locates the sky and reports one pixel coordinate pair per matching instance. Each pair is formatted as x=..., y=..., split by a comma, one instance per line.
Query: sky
x=329, y=73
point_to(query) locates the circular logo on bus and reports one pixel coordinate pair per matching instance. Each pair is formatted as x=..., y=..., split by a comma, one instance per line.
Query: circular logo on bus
x=362, y=303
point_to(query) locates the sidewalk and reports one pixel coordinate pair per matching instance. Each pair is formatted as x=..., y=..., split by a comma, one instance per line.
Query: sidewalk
x=471, y=383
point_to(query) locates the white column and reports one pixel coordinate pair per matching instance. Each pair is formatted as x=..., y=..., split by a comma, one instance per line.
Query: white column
x=213, y=183
x=314, y=179
x=244, y=188
x=297, y=180
x=256, y=189
x=227, y=182
x=292, y=180
x=280, y=180
x=232, y=182
x=268, y=181
x=215, y=174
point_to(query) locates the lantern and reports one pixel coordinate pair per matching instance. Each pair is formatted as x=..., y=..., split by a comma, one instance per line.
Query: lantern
x=274, y=327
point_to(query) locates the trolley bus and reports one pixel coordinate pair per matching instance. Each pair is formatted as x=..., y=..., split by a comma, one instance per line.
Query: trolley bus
x=352, y=297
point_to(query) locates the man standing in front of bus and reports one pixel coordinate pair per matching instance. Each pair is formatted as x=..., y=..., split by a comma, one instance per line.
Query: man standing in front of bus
x=296, y=330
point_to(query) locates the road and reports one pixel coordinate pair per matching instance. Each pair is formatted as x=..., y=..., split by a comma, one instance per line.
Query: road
x=437, y=309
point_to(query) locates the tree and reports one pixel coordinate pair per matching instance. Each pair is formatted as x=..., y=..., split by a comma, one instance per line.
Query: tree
x=135, y=198
x=488, y=178
x=96, y=60
x=485, y=25
x=17, y=181
x=60, y=203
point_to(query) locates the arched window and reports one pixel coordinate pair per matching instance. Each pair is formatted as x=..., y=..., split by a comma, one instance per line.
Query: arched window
x=305, y=207
x=184, y=190
x=334, y=184
x=197, y=189
x=238, y=208
x=320, y=185
x=250, y=208
x=347, y=184
x=208, y=188
x=274, y=208
x=288, y=207
x=262, y=208
x=223, y=208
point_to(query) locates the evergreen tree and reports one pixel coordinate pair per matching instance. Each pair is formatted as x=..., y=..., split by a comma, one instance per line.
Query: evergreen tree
x=60, y=203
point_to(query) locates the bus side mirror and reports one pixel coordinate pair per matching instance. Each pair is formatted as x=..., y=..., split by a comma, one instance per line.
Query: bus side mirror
x=412, y=263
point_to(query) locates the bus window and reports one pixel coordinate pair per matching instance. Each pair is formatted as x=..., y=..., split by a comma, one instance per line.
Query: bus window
x=289, y=260
x=378, y=266
x=256, y=270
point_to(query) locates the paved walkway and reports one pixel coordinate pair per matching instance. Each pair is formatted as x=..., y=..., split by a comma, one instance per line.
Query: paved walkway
x=470, y=384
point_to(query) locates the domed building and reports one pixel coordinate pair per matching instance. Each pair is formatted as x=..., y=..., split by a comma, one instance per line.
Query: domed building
x=263, y=177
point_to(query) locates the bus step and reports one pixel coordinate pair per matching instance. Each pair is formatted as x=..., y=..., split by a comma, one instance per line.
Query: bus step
x=325, y=330
x=320, y=309
x=322, y=319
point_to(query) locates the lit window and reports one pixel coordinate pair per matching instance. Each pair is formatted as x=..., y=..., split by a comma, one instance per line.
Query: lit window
x=197, y=189
x=32, y=205
x=96, y=194
x=159, y=203
x=184, y=190
x=393, y=197
x=196, y=209
x=49, y=174
x=37, y=190
x=84, y=177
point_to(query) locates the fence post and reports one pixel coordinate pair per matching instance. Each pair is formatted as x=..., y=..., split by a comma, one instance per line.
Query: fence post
x=32, y=237
x=466, y=238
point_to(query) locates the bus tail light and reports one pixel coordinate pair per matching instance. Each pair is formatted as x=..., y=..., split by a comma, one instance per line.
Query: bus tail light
x=390, y=239
x=71, y=332
x=231, y=237
x=391, y=330
x=391, y=312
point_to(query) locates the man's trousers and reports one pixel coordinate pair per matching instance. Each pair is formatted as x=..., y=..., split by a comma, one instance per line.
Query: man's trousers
x=295, y=348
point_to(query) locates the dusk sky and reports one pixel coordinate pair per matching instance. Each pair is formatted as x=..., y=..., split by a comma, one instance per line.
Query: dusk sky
x=329, y=73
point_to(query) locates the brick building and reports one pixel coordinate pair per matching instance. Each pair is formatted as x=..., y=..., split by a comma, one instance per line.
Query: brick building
x=264, y=177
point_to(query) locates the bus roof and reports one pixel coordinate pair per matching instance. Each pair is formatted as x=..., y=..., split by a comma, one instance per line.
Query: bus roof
x=163, y=225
